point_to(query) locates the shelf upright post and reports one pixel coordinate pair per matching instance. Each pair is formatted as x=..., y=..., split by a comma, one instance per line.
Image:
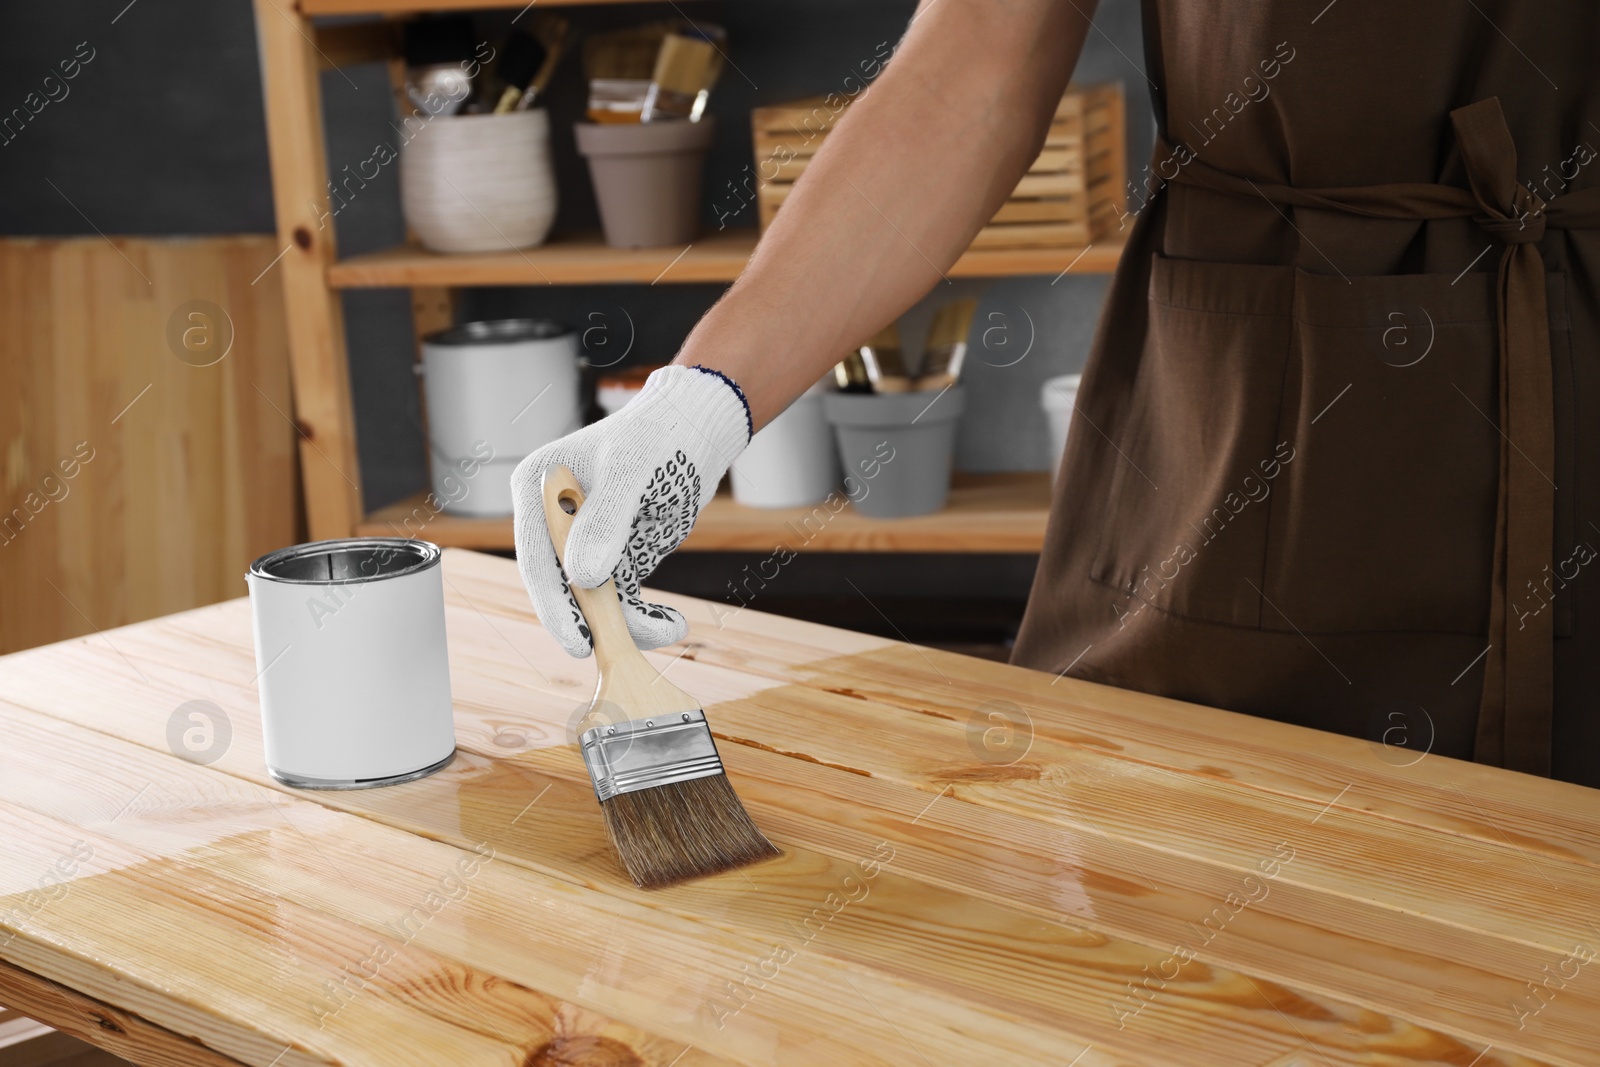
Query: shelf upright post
x=323, y=416
x=433, y=307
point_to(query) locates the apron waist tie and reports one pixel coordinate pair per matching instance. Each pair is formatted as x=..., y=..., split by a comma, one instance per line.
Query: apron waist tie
x=1514, y=717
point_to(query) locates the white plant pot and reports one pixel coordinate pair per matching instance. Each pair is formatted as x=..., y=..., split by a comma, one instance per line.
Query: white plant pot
x=1058, y=396
x=479, y=183
x=793, y=461
x=613, y=398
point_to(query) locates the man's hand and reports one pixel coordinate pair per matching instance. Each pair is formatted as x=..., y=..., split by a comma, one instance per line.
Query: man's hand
x=646, y=472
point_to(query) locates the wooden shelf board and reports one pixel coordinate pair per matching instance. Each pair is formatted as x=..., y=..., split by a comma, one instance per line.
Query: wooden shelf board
x=566, y=260
x=585, y=259
x=396, y=7
x=986, y=513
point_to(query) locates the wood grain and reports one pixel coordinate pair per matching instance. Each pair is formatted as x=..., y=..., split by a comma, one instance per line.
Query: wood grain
x=139, y=476
x=1076, y=181
x=324, y=416
x=102, y=1025
x=985, y=513
x=350, y=44
x=987, y=949
x=1010, y=903
x=719, y=257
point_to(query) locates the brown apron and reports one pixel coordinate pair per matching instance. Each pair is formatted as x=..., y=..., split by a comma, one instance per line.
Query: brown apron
x=1328, y=464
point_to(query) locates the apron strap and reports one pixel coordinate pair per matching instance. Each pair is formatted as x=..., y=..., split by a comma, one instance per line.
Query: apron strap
x=1514, y=719
x=1518, y=680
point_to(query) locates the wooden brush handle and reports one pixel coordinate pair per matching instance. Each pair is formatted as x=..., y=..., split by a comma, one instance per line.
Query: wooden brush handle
x=626, y=677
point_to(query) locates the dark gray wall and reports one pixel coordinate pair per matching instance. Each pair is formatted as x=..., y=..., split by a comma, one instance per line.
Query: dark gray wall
x=161, y=132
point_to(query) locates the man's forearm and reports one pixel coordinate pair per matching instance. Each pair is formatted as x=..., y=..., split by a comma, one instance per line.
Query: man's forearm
x=915, y=168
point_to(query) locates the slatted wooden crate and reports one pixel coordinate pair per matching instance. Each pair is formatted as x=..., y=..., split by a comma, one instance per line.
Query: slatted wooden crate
x=1074, y=193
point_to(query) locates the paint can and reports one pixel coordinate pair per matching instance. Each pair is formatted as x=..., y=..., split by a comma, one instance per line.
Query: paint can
x=351, y=662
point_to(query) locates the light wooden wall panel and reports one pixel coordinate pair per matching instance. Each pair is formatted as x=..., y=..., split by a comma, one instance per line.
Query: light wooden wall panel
x=185, y=486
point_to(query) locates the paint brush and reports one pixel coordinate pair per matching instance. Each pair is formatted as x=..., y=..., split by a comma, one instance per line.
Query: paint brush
x=551, y=31
x=521, y=58
x=668, y=806
x=619, y=65
x=436, y=48
x=686, y=68
x=850, y=374
x=947, y=345
x=881, y=356
x=629, y=53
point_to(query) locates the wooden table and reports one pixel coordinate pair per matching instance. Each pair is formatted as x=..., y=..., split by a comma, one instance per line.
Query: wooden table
x=983, y=865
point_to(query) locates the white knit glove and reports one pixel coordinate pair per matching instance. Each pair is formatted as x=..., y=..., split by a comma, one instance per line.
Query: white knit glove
x=646, y=472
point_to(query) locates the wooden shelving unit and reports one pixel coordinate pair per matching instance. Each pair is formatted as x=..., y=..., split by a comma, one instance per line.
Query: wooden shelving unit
x=997, y=513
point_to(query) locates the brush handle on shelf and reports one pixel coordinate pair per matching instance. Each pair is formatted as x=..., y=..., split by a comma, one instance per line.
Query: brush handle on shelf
x=626, y=677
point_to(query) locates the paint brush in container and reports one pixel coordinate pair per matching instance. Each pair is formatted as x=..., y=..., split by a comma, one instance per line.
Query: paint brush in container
x=670, y=811
x=885, y=368
x=628, y=53
x=947, y=345
x=521, y=57
x=686, y=67
x=436, y=50
x=618, y=65
x=551, y=31
x=850, y=374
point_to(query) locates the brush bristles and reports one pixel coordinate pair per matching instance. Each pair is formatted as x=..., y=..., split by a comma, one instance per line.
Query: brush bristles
x=685, y=830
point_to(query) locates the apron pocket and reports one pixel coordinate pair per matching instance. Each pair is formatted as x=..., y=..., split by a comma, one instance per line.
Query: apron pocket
x=1186, y=524
x=1384, y=520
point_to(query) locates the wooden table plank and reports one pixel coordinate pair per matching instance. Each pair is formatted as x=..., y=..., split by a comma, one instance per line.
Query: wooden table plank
x=1016, y=908
x=120, y=1032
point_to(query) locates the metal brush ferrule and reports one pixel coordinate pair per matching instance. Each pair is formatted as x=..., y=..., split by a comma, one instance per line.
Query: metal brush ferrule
x=626, y=757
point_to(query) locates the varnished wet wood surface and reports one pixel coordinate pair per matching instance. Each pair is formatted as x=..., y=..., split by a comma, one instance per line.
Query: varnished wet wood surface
x=981, y=865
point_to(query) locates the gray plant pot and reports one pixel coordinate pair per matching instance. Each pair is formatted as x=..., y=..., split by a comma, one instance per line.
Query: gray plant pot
x=647, y=179
x=896, y=448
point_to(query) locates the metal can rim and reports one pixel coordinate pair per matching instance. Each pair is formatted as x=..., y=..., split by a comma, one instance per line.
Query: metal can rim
x=426, y=554
x=497, y=332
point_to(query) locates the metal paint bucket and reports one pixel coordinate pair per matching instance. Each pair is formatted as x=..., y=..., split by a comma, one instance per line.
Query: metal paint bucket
x=495, y=391
x=351, y=661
